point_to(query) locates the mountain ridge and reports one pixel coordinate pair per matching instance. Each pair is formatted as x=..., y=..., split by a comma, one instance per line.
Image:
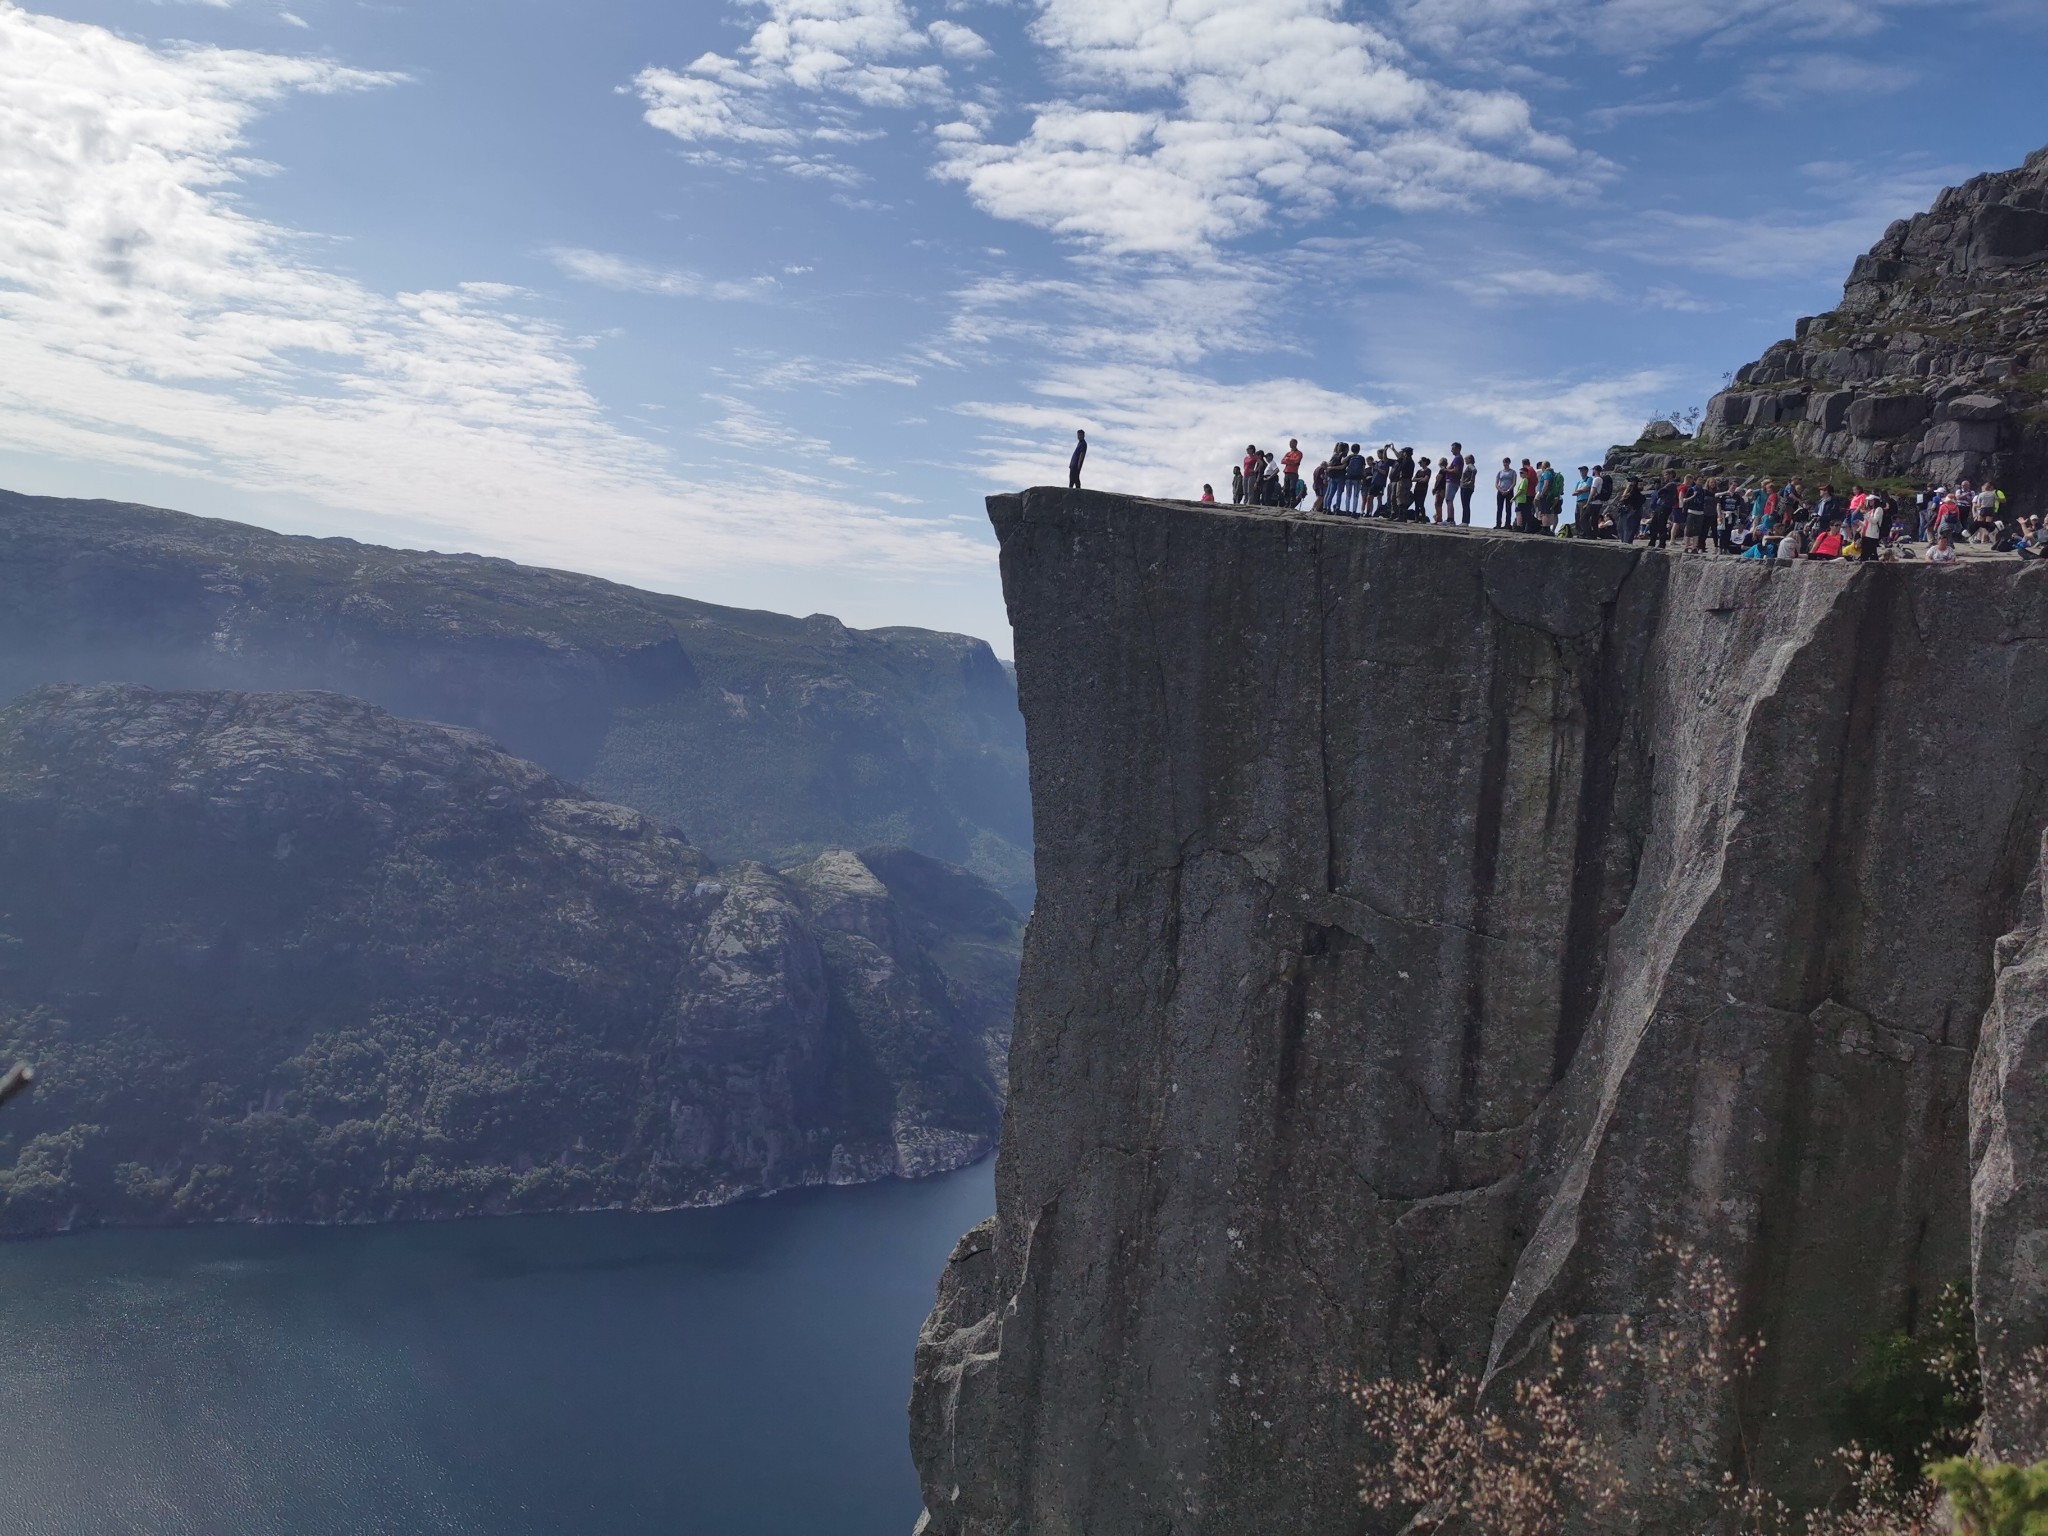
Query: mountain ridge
x=290, y=957
x=764, y=736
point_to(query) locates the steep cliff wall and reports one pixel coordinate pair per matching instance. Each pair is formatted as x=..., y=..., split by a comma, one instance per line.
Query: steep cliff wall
x=1427, y=923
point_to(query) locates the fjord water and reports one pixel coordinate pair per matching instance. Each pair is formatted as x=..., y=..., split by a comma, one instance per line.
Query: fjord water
x=741, y=1371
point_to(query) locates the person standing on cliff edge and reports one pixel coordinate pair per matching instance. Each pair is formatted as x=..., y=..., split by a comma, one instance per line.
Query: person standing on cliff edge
x=1074, y=464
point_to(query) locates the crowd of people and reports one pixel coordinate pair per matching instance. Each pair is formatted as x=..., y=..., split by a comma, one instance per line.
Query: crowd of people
x=1753, y=517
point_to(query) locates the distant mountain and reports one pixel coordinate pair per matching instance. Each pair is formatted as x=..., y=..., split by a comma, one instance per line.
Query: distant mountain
x=761, y=736
x=286, y=956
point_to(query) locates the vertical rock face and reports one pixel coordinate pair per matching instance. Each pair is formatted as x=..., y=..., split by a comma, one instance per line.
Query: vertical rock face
x=1428, y=923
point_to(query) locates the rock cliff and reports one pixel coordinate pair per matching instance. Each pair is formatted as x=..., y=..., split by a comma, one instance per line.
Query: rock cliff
x=1933, y=369
x=1428, y=923
x=762, y=736
x=287, y=957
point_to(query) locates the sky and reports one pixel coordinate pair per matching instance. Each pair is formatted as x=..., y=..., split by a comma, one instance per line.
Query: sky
x=755, y=300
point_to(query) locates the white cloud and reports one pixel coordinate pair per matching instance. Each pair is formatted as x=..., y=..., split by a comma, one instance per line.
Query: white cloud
x=1270, y=104
x=1164, y=313
x=608, y=271
x=1494, y=28
x=1792, y=81
x=148, y=319
x=827, y=375
x=958, y=42
x=869, y=52
x=1837, y=219
x=1565, y=420
x=1511, y=283
x=698, y=106
x=1678, y=301
x=1158, y=431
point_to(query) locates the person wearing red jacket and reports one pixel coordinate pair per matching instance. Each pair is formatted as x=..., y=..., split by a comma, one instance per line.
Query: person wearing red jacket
x=1290, y=466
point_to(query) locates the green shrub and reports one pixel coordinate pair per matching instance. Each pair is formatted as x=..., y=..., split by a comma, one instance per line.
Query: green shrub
x=1917, y=1396
x=1995, y=1500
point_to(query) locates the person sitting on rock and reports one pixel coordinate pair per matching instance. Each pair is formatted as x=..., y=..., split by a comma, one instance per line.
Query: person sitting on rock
x=1944, y=551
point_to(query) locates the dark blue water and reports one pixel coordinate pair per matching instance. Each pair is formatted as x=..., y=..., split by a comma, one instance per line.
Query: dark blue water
x=740, y=1372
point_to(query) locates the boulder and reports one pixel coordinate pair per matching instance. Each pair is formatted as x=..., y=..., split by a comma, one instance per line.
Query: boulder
x=1829, y=409
x=1730, y=408
x=1960, y=437
x=2006, y=236
x=1878, y=416
x=1973, y=408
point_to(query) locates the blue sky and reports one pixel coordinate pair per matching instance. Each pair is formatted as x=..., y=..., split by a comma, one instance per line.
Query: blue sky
x=756, y=300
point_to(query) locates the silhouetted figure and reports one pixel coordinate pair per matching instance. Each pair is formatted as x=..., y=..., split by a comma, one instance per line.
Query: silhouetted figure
x=1074, y=464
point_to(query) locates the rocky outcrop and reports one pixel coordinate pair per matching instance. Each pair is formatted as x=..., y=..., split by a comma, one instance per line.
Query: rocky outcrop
x=1430, y=923
x=762, y=736
x=1935, y=366
x=287, y=957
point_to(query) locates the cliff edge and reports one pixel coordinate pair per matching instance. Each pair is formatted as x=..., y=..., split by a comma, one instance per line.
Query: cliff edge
x=1431, y=922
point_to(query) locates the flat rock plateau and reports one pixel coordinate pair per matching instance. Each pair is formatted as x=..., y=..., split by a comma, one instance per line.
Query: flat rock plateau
x=1429, y=923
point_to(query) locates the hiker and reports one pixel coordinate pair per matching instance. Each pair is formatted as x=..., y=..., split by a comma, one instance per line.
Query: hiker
x=1549, y=496
x=1503, y=493
x=1290, y=468
x=1074, y=464
x=1699, y=517
x=1599, y=493
x=1468, y=479
x=1208, y=493
x=1729, y=507
x=1525, y=498
x=1663, y=505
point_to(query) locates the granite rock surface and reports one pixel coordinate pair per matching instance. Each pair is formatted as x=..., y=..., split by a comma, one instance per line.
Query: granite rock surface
x=1934, y=368
x=1434, y=925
